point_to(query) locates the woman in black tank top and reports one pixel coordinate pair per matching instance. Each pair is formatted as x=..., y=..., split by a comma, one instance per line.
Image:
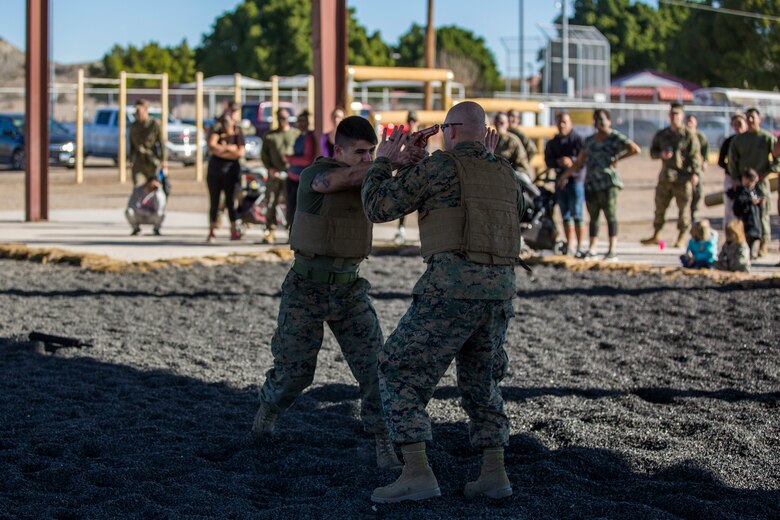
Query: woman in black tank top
x=226, y=146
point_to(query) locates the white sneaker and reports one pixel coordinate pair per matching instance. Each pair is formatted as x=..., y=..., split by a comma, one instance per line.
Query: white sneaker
x=400, y=237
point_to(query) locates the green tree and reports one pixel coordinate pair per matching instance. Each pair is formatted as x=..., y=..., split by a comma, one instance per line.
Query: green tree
x=715, y=49
x=261, y=38
x=178, y=62
x=457, y=49
x=638, y=34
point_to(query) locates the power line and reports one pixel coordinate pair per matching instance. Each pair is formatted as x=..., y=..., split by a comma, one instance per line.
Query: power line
x=722, y=10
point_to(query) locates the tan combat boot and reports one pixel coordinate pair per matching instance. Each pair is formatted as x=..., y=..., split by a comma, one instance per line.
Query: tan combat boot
x=653, y=240
x=264, y=422
x=492, y=481
x=680, y=242
x=417, y=481
x=385, y=453
x=763, y=249
x=269, y=236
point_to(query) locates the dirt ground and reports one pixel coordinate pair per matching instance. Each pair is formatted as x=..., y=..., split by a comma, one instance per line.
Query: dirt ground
x=102, y=190
x=629, y=397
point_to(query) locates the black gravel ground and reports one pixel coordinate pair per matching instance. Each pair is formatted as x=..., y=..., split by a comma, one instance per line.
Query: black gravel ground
x=630, y=397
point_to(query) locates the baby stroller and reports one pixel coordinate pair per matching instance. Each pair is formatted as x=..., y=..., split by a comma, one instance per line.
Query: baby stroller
x=539, y=229
x=251, y=200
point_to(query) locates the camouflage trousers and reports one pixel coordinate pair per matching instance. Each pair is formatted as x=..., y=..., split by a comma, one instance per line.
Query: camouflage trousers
x=274, y=190
x=305, y=307
x=682, y=193
x=432, y=333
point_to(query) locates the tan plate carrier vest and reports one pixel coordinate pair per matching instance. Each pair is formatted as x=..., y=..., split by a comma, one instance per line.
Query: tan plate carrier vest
x=340, y=230
x=486, y=226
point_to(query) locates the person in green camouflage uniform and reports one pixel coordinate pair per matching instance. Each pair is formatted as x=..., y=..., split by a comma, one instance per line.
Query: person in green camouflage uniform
x=680, y=154
x=756, y=149
x=514, y=127
x=277, y=145
x=146, y=145
x=704, y=148
x=460, y=310
x=509, y=145
x=326, y=288
x=600, y=155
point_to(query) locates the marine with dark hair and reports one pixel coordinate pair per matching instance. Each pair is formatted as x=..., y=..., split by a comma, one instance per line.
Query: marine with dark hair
x=330, y=237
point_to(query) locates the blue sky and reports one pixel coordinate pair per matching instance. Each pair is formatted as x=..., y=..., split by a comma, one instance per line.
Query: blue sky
x=84, y=30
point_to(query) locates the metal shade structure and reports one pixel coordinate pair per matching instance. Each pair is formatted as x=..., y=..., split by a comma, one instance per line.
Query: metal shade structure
x=587, y=61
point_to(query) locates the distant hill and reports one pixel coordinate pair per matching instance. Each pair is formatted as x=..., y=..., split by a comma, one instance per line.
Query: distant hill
x=12, y=67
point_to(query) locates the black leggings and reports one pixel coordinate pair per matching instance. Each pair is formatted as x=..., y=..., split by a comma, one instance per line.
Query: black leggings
x=222, y=176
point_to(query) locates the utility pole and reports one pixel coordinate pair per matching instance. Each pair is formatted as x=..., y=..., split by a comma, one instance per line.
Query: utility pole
x=565, y=51
x=430, y=55
x=523, y=85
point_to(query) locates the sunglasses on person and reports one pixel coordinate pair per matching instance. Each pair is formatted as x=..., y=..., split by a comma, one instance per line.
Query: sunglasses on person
x=443, y=126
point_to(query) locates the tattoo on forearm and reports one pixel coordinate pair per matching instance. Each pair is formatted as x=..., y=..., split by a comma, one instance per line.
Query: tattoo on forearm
x=321, y=180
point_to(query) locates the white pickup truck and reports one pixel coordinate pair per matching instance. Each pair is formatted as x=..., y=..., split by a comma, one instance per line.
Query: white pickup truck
x=101, y=137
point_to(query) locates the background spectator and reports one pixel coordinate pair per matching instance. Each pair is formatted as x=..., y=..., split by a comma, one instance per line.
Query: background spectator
x=747, y=201
x=509, y=145
x=704, y=150
x=328, y=139
x=739, y=125
x=226, y=146
x=146, y=149
x=146, y=206
x=702, y=251
x=735, y=254
x=277, y=145
x=304, y=153
x=560, y=153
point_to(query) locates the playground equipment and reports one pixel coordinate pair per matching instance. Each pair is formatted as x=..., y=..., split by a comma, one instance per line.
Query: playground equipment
x=122, y=121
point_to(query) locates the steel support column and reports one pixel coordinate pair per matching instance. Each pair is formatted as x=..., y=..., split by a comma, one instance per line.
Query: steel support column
x=329, y=57
x=36, y=139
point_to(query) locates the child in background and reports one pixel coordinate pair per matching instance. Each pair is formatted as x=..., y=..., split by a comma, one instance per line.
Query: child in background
x=735, y=254
x=747, y=206
x=702, y=249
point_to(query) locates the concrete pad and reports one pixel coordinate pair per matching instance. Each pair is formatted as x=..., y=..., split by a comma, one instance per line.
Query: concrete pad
x=105, y=232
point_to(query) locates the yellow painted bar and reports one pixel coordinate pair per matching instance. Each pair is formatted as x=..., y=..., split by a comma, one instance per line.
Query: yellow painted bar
x=363, y=73
x=199, y=126
x=716, y=199
x=398, y=117
x=80, y=127
x=274, y=101
x=501, y=105
x=122, y=115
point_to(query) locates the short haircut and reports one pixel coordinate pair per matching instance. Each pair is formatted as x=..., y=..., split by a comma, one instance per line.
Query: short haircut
x=676, y=106
x=305, y=114
x=753, y=110
x=501, y=114
x=141, y=103
x=689, y=117
x=354, y=128
x=280, y=110
x=602, y=112
x=233, y=106
x=749, y=173
x=562, y=114
x=513, y=113
x=738, y=115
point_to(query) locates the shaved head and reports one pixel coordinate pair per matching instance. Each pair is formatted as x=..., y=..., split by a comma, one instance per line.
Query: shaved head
x=472, y=127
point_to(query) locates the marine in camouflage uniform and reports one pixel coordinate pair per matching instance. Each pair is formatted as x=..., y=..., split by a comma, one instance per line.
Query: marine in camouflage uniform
x=675, y=181
x=277, y=144
x=704, y=148
x=755, y=149
x=514, y=127
x=146, y=147
x=461, y=307
x=509, y=145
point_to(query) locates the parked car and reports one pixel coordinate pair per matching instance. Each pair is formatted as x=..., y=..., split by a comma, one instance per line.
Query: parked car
x=641, y=131
x=715, y=129
x=259, y=115
x=101, y=137
x=61, y=142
